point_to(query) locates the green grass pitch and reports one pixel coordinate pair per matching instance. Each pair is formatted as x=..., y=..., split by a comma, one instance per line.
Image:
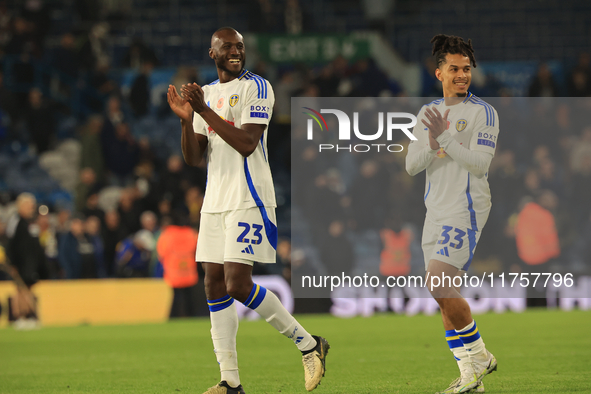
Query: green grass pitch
x=538, y=351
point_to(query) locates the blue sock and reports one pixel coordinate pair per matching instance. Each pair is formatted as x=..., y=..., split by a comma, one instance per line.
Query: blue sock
x=471, y=339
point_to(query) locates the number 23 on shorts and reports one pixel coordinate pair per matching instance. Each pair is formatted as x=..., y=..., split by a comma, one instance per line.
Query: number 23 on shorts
x=257, y=233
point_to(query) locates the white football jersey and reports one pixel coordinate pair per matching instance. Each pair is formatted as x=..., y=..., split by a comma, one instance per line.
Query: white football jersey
x=453, y=196
x=233, y=181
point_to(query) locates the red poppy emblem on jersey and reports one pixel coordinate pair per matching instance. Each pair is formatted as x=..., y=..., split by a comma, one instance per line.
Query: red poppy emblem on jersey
x=441, y=153
x=220, y=104
x=447, y=128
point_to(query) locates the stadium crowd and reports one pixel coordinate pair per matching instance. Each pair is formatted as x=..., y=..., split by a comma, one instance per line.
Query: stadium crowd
x=104, y=164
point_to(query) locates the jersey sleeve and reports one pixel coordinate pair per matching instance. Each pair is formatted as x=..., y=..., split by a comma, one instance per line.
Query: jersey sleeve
x=260, y=99
x=199, y=125
x=419, y=154
x=486, y=130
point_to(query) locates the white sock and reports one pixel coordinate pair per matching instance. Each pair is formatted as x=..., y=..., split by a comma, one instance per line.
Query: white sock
x=461, y=356
x=224, y=327
x=472, y=341
x=266, y=304
x=457, y=348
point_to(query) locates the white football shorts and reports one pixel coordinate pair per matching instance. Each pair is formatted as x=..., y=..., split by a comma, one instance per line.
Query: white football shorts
x=451, y=244
x=241, y=236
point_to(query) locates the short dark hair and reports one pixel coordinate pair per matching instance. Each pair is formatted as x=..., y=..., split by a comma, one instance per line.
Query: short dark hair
x=444, y=44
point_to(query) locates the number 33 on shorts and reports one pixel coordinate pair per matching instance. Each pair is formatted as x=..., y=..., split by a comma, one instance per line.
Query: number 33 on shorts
x=456, y=246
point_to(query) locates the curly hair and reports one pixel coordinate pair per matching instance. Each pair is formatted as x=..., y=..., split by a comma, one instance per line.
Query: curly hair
x=444, y=44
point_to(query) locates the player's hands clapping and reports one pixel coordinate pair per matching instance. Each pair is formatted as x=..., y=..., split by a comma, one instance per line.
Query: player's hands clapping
x=437, y=124
x=195, y=96
x=179, y=105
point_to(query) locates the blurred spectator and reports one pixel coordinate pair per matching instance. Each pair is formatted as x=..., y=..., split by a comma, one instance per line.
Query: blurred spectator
x=283, y=93
x=146, y=154
x=40, y=121
x=536, y=235
x=129, y=211
x=65, y=59
x=505, y=176
x=134, y=254
x=370, y=81
x=92, y=232
x=5, y=24
x=194, y=202
x=581, y=150
x=120, y=153
x=94, y=48
x=88, y=10
x=327, y=81
x=582, y=248
x=431, y=85
x=4, y=273
x=91, y=207
x=283, y=264
x=164, y=207
x=63, y=220
x=174, y=180
x=176, y=250
x=22, y=40
x=114, y=113
x=27, y=257
x=581, y=193
x=48, y=241
x=322, y=205
x=550, y=177
x=139, y=96
x=149, y=221
x=119, y=10
x=336, y=251
x=295, y=18
x=543, y=84
x=260, y=17
x=100, y=85
x=146, y=184
x=301, y=264
x=87, y=183
x=77, y=254
x=542, y=118
x=138, y=54
x=377, y=12
x=532, y=183
x=579, y=81
x=367, y=196
x=6, y=111
x=563, y=222
x=396, y=255
x=92, y=150
x=185, y=75
x=38, y=14
x=113, y=233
